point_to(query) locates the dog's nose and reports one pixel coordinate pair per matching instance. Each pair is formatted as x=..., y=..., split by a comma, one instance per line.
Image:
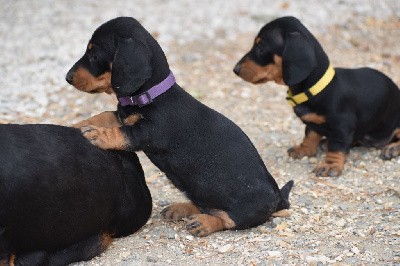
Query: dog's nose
x=70, y=76
x=237, y=69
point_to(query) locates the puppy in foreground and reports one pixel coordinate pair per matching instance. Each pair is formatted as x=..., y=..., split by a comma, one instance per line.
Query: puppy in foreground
x=62, y=199
x=203, y=153
x=347, y=106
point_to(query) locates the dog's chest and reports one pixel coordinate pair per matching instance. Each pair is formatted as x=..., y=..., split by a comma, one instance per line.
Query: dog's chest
x=307, y=115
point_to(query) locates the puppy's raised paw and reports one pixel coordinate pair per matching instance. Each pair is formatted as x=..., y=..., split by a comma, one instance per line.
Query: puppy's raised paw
x=106, y=138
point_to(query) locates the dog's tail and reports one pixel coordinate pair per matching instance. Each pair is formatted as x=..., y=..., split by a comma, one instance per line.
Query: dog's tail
x=285, y=191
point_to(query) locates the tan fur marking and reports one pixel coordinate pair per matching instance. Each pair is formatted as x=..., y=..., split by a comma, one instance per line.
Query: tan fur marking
x=308, y=147
x=228, y=222
x=132, y=119
x=90, y=45
x=282, y=213
x=206, y=225
x=178, y=211
x=105, y=119
x=106, y=241
x=254, y=73
x=106, y=138
x=257, y=40
x=12, y=260
x=332, y=165
x=86, y=82
x=313, y=118
x=392, y=150
x=396, y=133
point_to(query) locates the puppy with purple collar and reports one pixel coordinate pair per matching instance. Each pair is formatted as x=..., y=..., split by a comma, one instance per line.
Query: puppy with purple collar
x=202, y=152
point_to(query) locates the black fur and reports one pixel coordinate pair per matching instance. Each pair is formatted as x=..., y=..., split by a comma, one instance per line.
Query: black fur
x=360, y=105
x=59, y=194
x=202, y=152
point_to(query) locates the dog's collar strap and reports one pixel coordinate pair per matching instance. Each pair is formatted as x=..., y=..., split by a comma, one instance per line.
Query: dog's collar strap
x=314, y=90
x=148, y=96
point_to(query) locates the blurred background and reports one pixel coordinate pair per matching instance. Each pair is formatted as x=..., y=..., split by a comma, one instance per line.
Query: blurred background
x=41, y=39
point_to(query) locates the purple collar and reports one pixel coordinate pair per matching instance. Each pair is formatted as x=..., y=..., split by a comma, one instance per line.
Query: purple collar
x=148, y=96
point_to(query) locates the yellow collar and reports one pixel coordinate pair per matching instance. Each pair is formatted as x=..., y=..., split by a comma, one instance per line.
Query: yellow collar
x=314, y=90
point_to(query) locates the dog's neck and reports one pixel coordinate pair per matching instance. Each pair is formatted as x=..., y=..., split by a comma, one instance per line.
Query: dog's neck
x=147, y=96
x=319, y=86
x=315, y=75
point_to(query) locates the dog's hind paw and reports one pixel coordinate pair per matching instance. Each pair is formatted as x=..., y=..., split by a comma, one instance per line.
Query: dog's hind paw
x=390, y=151
x=178, y=211
x=204, y=224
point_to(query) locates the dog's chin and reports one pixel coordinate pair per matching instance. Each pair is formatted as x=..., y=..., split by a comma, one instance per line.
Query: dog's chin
x=100, y=90
x=261, y=81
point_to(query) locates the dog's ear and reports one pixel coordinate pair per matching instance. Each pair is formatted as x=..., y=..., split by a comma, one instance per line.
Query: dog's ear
x=298, y=59
x=131, y=66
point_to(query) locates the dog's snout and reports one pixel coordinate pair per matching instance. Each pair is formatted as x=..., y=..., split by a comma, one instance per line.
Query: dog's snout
x=70, y=76
x=237, y=68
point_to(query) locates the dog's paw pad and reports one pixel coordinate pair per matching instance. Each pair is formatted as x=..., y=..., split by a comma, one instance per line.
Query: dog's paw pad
x=390, y=151
x=86, y=129
x=328, y=170
x=169, y=214
x=195, y=226
x=204, y=224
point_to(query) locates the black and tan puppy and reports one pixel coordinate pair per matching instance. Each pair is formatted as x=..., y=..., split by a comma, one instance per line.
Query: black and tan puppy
x=347, y=106
x=202, y=152
x=62, y=199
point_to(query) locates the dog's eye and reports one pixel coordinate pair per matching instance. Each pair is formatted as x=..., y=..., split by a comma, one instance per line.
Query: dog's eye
x=259, y=48
x=92, y=57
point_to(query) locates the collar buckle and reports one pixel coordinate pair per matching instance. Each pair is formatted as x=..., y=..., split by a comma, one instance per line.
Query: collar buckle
x=142, y=99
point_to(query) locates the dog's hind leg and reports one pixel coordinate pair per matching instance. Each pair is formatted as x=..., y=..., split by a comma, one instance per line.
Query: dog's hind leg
x=206, y=224
x=5, y=248
x=178, y=211
x=85, y=250
x=392, y=150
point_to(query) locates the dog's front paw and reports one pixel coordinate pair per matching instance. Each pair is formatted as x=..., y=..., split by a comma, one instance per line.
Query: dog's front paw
x=178, y=211
x=204, y=224
x=390, y=151
x=298, y=152
x=332, y=165
x=328, y=169
x=106, y=138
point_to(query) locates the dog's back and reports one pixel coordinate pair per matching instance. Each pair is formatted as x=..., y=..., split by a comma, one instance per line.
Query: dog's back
x=57, y=189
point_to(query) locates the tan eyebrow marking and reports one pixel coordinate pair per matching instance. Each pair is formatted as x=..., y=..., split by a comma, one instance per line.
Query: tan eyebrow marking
x=90, y=45
x=257, y=40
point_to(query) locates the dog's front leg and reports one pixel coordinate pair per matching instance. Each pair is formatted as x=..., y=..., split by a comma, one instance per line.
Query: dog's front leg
x=339, y=143
x=332, y=165
x=308, y=147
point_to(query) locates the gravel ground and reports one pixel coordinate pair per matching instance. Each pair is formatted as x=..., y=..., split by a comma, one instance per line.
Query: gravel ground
x=353, y=219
